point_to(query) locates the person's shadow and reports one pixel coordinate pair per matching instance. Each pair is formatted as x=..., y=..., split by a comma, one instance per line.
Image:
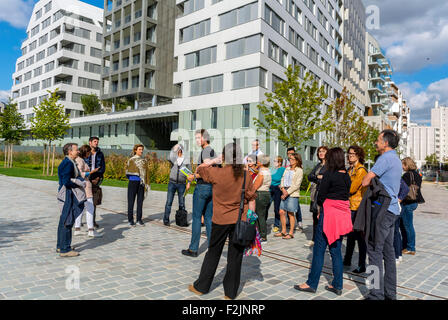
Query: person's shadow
x=250, y=271
x=110, y=234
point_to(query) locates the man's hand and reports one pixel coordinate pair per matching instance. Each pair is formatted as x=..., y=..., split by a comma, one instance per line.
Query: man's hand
x=188, y=186
x=94, y=170
x=190, y=177
x=320, y=177
x=368, y=178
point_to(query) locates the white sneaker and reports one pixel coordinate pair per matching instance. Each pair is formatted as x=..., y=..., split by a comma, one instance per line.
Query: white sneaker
x=400, y=258
x=78, y=233
x=94, y=234
x=398, y=261
x=309, y=243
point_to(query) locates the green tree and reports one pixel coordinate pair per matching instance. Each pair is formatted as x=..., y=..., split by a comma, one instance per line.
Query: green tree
x=50, y=123
x=12, y=126
x=432, y=159
x=91, y=103
x=294, y=109
x=348, y=127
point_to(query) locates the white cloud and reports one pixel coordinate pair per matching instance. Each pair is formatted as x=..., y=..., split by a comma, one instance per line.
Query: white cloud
x=421, y=101
x=16, y=12
x=413, y=31
x=4, y=95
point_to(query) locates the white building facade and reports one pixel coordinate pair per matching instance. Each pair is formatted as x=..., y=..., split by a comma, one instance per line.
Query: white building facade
x=423, y=141
x=230, y=53
x=439, y=119
x=63, y=50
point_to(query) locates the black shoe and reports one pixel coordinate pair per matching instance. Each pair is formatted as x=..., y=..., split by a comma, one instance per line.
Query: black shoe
x=96, y=225
x=132, y=223
x=347, y=263
x=386, y=298
x=140, y=223
x=334, y=290
x=166, y=223
x=297, y=287
x=189, y=253
x=359, y=270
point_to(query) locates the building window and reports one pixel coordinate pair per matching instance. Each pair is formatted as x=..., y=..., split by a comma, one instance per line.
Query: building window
x=116, y=130
x=192, y=6
x=238, y=16
x=243, y=46
x=127, y=129
x=249, y=78
x=90, y=132
x=274, y=20
x=246, y=116
x=195, y=31
x=192, y=119
x=109, y=130
x=79, y=133
x=101, y=132
x=200, y=58
x=206, y=85
x=214, y=118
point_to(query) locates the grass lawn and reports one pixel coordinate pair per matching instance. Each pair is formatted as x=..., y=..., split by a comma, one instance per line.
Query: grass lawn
x=33, y=173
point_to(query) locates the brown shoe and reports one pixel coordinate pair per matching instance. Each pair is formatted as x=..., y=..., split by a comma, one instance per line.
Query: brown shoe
x=405, y=251
x=227, y=298
x=69, y=254
x=193, y=289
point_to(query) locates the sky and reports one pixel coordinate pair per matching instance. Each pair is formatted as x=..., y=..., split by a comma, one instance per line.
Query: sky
x=412, y=33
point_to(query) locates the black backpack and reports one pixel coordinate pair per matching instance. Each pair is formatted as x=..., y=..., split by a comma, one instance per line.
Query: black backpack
x=181, y=218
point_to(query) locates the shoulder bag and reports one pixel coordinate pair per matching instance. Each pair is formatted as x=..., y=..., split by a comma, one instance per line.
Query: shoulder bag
x=413, y=189
x=245, y=232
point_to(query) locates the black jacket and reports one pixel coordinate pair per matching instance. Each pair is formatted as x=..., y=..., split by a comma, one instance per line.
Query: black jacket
x=99, y=162
x=418, y=182
x=372, y=209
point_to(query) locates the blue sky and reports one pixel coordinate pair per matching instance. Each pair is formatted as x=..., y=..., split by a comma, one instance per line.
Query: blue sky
x=413, y=33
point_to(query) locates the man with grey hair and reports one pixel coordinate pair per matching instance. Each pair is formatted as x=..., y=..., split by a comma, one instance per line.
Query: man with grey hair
x=67, y=171
x=387, y=170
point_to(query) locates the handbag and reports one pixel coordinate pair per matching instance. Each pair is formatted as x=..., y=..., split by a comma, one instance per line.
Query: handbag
x=245, y=232
x=413, y=190
x=181, y=218
x=97, y=194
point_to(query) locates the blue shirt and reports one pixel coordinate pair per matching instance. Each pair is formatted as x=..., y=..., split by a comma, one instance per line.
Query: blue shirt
x=388, y=169
x=133, y=178
x=276, y=175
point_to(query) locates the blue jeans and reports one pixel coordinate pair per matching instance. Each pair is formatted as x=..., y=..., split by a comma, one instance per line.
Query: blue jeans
x=276, y=196
x=64, y=236
x=407, y=214
x=172, y=188
x=320, y=246
x=202, y=202
x=398, y=245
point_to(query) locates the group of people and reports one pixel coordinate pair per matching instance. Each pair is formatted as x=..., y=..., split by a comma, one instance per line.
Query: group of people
x=371, y=208
x=80, y=175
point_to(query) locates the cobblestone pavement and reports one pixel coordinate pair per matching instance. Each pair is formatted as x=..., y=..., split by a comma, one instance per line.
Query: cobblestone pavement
x=146, y=263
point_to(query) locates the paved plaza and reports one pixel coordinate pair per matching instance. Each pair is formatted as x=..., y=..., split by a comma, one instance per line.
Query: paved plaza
x=146, y=262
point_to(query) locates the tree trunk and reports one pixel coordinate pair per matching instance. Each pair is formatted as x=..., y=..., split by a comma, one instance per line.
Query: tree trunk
x=52, y=161
x=6, y=155
x=11, y=155
x=43, y=166
x=48, y=158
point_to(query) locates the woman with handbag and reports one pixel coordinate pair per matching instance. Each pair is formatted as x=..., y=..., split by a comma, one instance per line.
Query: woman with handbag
x=315, y=178
x=230, y=205
x=137, y=173
x=410, y=203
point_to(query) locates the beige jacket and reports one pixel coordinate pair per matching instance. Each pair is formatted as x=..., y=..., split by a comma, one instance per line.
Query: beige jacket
x=294, y=189
x=83, y=168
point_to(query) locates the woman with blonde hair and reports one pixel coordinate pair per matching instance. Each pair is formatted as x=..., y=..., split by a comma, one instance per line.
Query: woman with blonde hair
x=290, y=187
x=410, y=203
x=137, y=173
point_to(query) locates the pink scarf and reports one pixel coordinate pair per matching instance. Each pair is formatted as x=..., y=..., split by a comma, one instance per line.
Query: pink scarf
x=337, y=219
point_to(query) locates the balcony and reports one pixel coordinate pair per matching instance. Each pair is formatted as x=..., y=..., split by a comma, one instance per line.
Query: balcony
x=376, y=88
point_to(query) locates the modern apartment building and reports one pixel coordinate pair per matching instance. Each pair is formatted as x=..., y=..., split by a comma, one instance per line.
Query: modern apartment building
x=62, y=50
x=230, y=53
x=439, y=119
x=354, y=51
x=423, y=141
x=138, y=46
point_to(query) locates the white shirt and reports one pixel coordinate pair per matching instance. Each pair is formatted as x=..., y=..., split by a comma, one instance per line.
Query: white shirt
x=257, y=153
x=180, y=160
x=93, y=161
